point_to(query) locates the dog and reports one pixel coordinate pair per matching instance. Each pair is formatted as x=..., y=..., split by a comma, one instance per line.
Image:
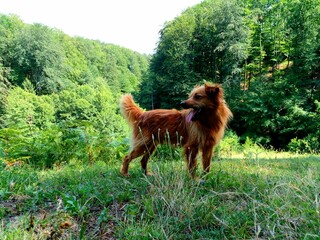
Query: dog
x=198, y=127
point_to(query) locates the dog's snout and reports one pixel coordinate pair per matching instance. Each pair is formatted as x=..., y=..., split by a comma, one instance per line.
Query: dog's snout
x=183, y=104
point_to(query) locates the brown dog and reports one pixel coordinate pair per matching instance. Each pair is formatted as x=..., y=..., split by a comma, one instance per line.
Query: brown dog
x=200, y=127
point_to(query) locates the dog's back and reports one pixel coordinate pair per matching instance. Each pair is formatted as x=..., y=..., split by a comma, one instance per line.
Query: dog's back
x=155, y=126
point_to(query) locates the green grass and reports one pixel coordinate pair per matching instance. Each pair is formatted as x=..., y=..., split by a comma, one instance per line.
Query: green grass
x=253, y=195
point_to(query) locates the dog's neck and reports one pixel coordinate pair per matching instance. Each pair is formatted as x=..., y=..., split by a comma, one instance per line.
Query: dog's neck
x=209, y=119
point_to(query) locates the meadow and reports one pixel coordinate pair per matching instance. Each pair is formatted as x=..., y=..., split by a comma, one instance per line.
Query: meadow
x=249, y=194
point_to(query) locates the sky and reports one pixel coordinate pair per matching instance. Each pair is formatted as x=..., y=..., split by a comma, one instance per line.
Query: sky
x=134, y=24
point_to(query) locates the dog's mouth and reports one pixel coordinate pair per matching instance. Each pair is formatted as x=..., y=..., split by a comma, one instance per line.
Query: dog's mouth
x=193, y=114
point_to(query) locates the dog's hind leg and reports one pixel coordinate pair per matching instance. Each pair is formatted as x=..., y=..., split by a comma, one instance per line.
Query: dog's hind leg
x=145, y=159
x=191, y=153
x=135, y=152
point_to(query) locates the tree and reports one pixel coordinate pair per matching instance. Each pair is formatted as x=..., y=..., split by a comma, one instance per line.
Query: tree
x=265, y=53
x=10, y=26
x=207, y=42
x=38, y=56
x=75, y=67
x=304, y=28
x=59, y=95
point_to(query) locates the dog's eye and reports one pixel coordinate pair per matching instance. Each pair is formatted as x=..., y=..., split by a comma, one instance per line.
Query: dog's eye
x=197, y=97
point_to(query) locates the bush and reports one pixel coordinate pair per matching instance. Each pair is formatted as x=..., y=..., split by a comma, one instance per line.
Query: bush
x=230, y=143
x=82, y=124
x=309, y=144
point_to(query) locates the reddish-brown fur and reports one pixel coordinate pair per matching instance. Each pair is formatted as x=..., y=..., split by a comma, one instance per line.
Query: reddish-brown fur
x=199, y=127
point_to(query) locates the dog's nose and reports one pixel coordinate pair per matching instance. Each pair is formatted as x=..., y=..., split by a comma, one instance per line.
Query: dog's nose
x=183, y=104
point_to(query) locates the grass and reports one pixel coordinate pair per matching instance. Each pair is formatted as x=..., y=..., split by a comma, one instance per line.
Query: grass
x=253, y=195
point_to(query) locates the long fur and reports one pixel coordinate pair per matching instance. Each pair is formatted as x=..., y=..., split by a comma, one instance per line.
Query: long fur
x=198, y=127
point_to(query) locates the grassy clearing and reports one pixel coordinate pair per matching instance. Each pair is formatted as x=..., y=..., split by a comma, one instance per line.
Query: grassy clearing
x=257, y=194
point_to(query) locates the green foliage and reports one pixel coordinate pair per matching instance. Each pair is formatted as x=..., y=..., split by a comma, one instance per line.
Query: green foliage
x=25, y=109
x=46, y=130
x=303, y=24
x=59, y=95
x=53, y=61
x=309, y=144
x=207, y=42
x=266, y=55
x=229, y=144
x=37, y=55
x=4, y=85
x=267, y=195
x=13, y=145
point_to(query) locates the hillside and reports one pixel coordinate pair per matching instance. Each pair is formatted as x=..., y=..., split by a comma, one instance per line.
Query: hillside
x=59, y=94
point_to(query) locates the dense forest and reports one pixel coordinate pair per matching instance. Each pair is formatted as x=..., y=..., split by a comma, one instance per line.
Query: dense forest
x=59, y=94
x=266, y=54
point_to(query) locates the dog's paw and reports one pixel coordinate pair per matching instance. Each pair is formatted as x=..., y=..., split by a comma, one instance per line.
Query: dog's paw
x=202, y=182
x=124, y=174
x=148, y=173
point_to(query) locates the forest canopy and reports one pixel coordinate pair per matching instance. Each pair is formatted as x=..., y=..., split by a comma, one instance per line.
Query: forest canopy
x=59, y=94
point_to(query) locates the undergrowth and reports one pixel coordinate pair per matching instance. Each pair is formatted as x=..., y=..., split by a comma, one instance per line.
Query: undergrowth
x=252, y=194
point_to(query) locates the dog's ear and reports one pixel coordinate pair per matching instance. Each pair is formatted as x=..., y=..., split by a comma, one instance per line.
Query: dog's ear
x=211, y=90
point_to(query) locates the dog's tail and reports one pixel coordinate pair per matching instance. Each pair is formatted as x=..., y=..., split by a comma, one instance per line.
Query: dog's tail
x=129, y=109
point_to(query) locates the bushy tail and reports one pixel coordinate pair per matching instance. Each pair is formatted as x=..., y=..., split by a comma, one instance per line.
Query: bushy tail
x=129, y=109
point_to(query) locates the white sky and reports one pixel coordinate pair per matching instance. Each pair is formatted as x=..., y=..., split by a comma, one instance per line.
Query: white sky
x=134, y=24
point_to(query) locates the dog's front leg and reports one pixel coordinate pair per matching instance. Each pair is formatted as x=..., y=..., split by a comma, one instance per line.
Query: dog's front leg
x=207, y=152
x=191, y=153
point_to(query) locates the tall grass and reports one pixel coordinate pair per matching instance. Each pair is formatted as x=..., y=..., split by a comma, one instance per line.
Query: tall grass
x=250, y=193
x=263, y=197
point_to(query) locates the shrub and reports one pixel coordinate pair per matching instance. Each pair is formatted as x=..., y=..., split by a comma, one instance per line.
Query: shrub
x=309, y=144
x=230, y=143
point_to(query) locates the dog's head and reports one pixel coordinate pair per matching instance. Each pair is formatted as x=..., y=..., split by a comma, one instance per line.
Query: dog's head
x=203, y=98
